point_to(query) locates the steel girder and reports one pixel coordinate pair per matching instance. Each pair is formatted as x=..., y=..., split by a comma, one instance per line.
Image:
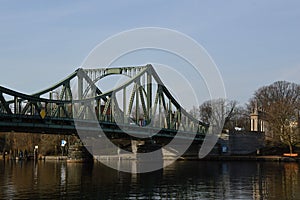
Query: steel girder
x=143, y=100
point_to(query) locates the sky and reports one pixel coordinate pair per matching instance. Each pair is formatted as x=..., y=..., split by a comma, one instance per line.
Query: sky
x=253, y=43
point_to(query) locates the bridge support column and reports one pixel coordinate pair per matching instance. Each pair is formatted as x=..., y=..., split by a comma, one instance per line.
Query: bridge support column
x=80, y=86
x=149, y=96
x=79, y=153
x=135, y=144
x=170, y=114
x=124, y=106
x=16, y=107
x=112, y=106
x=160, y=112
x=137, y=109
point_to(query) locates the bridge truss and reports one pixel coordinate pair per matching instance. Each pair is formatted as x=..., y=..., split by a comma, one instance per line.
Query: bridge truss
x=141, y=101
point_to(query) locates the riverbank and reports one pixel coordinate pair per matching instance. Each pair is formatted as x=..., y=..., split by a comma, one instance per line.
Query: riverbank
x=40, y=157
x=268, y=158
x=54, y=158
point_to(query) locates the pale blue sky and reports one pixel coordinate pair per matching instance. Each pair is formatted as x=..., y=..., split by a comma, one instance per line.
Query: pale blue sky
x=253, y=43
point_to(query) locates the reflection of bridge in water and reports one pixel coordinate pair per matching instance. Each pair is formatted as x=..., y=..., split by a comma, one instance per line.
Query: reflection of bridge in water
x=140, y=107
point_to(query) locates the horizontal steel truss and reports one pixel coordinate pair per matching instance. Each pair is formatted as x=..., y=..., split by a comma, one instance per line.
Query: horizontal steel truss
x=149, y=103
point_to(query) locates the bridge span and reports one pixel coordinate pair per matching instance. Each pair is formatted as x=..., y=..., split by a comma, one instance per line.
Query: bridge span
x=142, y=108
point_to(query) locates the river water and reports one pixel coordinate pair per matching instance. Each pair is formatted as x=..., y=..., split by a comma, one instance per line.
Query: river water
x=181, y=180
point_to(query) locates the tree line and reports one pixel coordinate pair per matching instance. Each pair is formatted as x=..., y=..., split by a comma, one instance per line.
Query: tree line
x=13, y=144
x=278, y=105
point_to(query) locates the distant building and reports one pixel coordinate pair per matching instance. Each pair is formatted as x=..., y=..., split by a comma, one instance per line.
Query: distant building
x=258, y=123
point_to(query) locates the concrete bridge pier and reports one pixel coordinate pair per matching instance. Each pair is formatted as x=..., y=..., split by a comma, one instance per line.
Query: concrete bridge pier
x=79, y=153
x=139, y=147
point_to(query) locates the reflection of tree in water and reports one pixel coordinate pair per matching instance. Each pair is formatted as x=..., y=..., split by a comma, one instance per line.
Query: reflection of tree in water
x=281, y=181
x=291, y=179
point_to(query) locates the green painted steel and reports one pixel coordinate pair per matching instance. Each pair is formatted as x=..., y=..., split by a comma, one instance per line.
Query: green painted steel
x=144, y=98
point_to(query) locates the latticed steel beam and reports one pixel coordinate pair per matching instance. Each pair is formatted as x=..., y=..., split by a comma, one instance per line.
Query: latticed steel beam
x=170, y=114
x=63, y=93
x=124, y=106
x=137, y=105
x=83, y=76
x=80, y=86
x=143, y=101
x=69, y=95
x=4, y=104
x=106, y=107
x=26, y=108
x=149, y=95
x=131, y=99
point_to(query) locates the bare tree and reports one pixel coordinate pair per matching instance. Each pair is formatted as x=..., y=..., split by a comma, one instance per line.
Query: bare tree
x=226, y=108
x=195, y=112
x=240, y=119
x=280, y=103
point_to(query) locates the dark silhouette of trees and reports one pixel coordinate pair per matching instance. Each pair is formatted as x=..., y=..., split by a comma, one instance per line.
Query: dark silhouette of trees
x=225, y=109
x=48, y=144
x=280, y=103
x=240, y=119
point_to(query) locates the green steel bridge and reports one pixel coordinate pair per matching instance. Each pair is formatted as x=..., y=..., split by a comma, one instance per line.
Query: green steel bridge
x=142, y=105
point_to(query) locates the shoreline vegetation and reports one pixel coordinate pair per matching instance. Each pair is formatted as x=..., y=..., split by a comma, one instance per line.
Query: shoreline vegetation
x=234, y=158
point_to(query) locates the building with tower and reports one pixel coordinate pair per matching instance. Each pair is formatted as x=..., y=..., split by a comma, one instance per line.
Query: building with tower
x=258, y=123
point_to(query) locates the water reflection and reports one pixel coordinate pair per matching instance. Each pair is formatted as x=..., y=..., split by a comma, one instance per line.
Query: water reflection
x=181, y=180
